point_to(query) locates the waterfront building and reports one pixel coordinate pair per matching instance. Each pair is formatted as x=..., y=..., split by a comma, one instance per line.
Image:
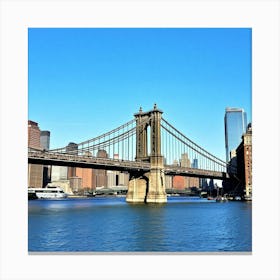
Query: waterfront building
x=235, y=125
x=63, y=184
x=35, y=175
x=87, y=178
x=244, y=162
x=75, y=184
x=232, y=168
x=168, y=182
x=192, y=182
x=33, y=135
x=123, y=179
x=86, y=174
x=58, y=173
x=100, y=174
x=113, y=176
x=71, y=148
x=183, y=182
x=35, y=171
x=179, y=182
x=111, y=179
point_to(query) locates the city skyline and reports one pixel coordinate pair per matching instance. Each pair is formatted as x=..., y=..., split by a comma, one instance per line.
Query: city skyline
x=85, y=82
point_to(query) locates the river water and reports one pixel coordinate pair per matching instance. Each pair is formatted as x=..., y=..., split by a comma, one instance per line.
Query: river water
x=112, y=225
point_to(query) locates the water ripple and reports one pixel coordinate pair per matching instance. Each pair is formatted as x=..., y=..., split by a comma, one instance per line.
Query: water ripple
x=112, y=225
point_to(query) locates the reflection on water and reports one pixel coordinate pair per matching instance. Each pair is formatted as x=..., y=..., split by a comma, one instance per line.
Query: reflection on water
x=112, y=225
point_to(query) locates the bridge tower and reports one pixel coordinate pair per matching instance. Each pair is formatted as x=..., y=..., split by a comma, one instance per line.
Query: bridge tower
x=148, y=187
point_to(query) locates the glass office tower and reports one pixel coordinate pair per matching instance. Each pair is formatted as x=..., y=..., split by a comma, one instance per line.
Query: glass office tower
x=235, y=126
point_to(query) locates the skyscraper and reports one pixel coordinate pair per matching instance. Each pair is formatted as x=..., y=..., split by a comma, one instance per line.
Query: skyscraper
x=45, y=145
x=45, y=139
x=195, y=163
x=235, y=126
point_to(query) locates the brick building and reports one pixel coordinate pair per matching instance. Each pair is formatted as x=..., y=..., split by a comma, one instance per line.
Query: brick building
x=87, y=178
x=34, y=134
x=35, y=171
x=100, y=174
x=244, y=162
x=183, y=182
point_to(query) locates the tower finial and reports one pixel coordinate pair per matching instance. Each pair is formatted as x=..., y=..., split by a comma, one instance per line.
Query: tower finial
x=140, y=109
x=155, y=106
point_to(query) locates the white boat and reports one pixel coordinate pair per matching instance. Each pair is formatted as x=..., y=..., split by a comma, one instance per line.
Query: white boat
x=48, y=192
x=221, y=199
x=248, y=198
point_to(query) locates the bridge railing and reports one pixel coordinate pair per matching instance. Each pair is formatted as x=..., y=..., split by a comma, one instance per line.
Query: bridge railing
x=116, y=164
x=188, y=171
x=68, y=158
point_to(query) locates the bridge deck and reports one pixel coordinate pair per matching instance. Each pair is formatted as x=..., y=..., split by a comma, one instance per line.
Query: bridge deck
x=73, y=160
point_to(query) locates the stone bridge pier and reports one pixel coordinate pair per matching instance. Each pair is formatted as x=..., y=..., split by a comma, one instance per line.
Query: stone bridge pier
x=148, y=187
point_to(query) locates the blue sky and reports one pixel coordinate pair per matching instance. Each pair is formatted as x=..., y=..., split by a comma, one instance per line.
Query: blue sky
x=84, y=82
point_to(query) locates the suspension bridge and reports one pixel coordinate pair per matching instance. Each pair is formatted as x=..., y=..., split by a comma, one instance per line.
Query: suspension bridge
x=148, y=147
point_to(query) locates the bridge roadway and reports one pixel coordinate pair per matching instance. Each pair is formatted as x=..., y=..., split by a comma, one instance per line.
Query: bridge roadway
x=74, y=160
